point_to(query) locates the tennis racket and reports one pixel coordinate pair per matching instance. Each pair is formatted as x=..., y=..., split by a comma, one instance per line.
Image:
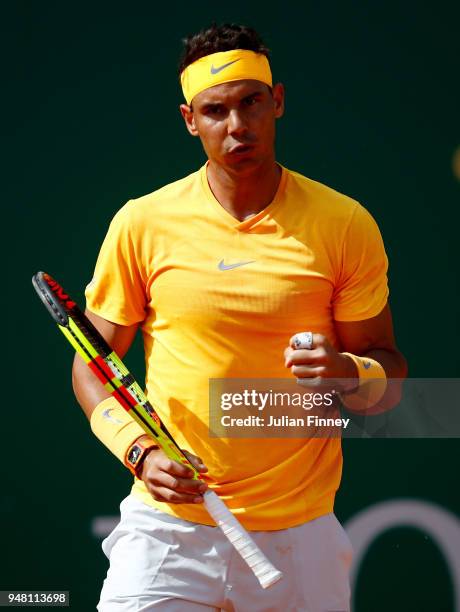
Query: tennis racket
x=120, y=383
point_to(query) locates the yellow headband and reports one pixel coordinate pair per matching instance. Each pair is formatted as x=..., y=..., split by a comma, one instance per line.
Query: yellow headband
x=218, y=68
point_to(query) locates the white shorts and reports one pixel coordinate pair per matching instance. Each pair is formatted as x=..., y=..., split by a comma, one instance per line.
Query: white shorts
x=160, y=562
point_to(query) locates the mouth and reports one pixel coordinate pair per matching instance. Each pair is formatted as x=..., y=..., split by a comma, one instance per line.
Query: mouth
x=241, y=149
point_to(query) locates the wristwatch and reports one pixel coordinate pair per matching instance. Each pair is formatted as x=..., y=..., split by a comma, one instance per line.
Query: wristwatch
x=136, y=454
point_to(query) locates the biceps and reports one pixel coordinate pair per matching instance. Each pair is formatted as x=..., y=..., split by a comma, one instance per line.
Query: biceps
x=358, y=337
x=119, y=337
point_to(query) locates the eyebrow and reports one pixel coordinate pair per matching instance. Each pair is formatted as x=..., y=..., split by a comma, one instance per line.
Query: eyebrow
x=208, y=103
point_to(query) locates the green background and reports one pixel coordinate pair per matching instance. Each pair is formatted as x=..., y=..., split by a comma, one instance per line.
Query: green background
x=91, y=120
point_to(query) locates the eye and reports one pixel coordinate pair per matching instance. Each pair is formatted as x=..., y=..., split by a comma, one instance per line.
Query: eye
x=250, y=100
x=214, y=109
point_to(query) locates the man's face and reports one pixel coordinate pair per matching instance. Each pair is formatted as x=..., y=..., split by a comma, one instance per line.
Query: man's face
x=236, y=123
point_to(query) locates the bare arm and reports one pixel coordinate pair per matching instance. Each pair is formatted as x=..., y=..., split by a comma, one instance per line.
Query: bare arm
x=89, y=391
x=374, y=338
x=166, y=480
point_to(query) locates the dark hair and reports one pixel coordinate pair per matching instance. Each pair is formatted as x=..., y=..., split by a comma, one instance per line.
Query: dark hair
x=218, y=38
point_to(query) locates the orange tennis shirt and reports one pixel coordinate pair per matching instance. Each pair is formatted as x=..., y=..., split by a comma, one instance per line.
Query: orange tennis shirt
x=315, y=256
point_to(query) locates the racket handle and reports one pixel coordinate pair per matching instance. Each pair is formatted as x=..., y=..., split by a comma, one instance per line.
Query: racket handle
x=264, y=571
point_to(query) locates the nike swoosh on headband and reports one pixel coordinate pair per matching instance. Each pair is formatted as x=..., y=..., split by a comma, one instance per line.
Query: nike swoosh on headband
x=222, y=266
x=219, y=68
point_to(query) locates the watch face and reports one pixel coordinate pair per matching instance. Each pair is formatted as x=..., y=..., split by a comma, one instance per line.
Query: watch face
x=134, y=455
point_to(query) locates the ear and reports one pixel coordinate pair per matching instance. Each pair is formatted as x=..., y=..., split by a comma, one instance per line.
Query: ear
x=189, y=118
x=278, y=99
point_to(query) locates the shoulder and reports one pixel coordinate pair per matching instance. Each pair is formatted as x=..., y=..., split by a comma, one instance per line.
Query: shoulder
x=139, y=217
x=320, y=195
x=326, y=204
x=170, y=195
x=163, y=202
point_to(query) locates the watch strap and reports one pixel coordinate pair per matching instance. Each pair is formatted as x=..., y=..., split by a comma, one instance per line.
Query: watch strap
x=136, y=454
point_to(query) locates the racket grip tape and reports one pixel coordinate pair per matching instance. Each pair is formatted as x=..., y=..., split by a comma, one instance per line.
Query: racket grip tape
x=265, y=572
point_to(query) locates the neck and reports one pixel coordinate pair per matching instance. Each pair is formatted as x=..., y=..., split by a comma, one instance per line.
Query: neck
x=243, y=196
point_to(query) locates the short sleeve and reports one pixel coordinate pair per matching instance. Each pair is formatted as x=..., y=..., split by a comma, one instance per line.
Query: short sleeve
x=117, y=290
x=361, y=290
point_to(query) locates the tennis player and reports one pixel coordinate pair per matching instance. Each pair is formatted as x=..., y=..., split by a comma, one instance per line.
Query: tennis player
x=220, y=270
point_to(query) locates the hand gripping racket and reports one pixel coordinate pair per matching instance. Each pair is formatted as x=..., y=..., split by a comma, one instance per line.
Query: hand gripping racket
x=120, y=383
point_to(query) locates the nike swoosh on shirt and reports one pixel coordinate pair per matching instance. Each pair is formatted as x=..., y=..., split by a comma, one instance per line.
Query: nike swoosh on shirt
x=222, y=266
x=219, y=68
x=106, y=415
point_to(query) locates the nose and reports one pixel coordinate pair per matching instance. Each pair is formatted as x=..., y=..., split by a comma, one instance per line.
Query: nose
x=236, y=123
